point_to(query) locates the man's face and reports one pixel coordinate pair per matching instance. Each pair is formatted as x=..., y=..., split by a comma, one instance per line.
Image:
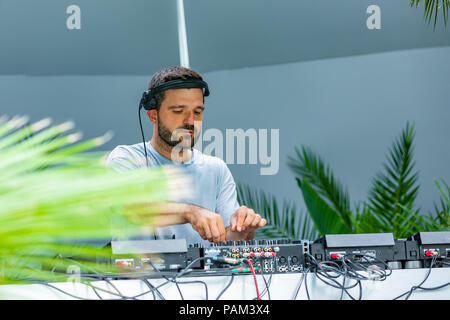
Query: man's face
x=180, y=116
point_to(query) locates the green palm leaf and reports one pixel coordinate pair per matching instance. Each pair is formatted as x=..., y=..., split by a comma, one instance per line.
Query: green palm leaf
x=309, y=167
x=52, y=191
x=442, y=212
x=432, y=8
x=283, y=221
x=326, y=219
x=393, y=192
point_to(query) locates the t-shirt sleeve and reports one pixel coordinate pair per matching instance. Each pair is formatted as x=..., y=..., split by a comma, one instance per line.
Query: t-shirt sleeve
x=121, y=160
x=226, y=203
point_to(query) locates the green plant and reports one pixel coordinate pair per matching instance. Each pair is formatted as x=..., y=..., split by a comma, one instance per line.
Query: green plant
x=284, y=221
x=442, y=213
x=391, y=204
x=432, y=8
x=52, y=191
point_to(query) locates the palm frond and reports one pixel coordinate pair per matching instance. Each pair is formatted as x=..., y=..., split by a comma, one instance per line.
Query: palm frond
x=52, y=191
x=393, y=192
x=432, y=8
x=325, y=218
x=367, y=222
x=308, y=166
x=442, y=211
x=284, y=221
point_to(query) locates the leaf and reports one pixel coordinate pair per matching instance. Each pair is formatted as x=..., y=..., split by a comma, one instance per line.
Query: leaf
x=442, y=214
x=283, y=221
x=326, y=219
x=51, y=191
x=431, y=8
x=310, y=167
x=393, y=192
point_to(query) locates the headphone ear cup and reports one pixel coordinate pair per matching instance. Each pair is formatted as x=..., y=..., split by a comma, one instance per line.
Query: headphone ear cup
x=152, y=103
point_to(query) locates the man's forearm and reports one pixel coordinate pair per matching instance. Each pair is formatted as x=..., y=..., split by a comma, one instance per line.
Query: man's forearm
x=164, y=214
x=176, y=213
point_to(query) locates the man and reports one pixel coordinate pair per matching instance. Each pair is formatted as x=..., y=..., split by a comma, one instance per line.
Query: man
x=213, y=214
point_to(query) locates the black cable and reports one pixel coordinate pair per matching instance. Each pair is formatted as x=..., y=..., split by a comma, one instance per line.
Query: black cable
x=176, y=284
x=306, y=286
x=60, y=290
x=97, y=273
x=179, y=290
x=360, y=290
x=98, y=295
x=119, y=294
x=324, y=271
x=343, y=286
x=337, y=285
x=226, y=287
x=266, y=289
x=181, y=273
x=94, y=288
x=409, y=293
x=158, y=271
x=74, y=296
x=198, y=281
x=143, y=138
x=434, y=288
x=185, y=270
x=151, y=287
x=299, y=285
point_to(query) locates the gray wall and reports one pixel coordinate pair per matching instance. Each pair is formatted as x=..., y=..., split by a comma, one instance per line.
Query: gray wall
x=347, y=109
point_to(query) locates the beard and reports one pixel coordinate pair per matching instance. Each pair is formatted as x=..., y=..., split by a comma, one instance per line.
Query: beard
x=177, y=137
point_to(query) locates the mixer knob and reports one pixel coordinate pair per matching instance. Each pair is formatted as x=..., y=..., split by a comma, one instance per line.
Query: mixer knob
x=241, y=242
x=230, y=243
x=251, y=242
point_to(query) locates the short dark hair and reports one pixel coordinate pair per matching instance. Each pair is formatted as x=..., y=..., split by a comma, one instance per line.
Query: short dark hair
x=168, y=74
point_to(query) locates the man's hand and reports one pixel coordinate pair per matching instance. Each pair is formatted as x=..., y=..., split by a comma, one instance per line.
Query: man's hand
x=246, y=221
x=208, y=224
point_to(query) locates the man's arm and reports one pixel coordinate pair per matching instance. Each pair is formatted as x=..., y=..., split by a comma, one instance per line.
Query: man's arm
x=208, y=224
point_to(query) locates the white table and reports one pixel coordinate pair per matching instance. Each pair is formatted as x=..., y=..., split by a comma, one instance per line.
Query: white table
x=283, y=287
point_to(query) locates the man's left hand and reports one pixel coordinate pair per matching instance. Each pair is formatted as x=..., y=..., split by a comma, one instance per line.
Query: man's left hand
x=246, y=220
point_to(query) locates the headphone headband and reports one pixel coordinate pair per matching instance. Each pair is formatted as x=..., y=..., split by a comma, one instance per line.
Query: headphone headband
x=148, y=101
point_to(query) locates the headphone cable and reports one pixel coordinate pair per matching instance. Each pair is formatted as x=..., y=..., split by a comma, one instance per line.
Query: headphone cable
x=143, y=138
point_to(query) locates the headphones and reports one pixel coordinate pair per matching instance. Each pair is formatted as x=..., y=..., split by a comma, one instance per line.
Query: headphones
x=149, y=100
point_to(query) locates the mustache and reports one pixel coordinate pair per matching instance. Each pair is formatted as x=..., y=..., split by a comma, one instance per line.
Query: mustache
x=188, y=127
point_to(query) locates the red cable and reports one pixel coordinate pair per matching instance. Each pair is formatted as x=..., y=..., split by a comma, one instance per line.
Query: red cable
x=254, y=277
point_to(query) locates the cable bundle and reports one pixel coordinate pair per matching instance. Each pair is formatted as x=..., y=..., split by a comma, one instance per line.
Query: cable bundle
x=330, y=271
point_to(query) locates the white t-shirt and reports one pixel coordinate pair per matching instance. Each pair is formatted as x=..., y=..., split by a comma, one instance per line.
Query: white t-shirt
x=213, y=184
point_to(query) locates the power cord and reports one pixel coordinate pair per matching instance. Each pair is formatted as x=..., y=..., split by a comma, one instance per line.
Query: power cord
x=413, y=288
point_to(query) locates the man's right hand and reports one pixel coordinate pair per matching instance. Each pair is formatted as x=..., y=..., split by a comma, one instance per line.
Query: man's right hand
x=208, y=224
